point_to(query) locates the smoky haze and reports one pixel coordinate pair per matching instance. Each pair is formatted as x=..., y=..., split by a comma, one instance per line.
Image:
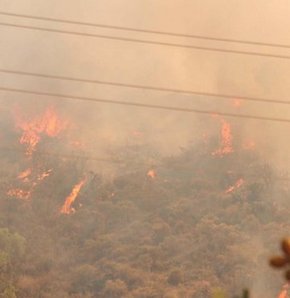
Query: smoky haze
x=162, y=66
x=105, y=128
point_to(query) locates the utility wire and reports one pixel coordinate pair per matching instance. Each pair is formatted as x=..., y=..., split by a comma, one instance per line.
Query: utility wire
x=158, y=32
x=151, y=164
x=74, y=156
x=65, y=155
x=141, y=105
x=78, y=156
x=109, y=37
x=145, y=87
x=93, y=158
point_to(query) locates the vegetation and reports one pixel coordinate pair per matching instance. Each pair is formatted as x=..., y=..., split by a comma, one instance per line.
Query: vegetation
x=187, y=231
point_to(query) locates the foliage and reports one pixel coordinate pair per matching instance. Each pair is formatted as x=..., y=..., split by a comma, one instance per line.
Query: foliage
x=12, y=248
x=180, y=234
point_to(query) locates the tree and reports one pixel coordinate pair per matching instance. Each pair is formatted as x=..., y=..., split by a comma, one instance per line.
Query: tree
x=175, y=277
x=115, y=289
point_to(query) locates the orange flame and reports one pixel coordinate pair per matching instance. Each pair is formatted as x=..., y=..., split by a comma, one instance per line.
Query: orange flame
x=20, y=193
x=66, y=208
x=284, y=292
x=226, y=140
x=237, y=185
x=44, y=175
x=152, y=174
x=48, y=124
x=24, y=175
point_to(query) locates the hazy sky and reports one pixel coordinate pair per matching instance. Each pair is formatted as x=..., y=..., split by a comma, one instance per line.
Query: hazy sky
x=119, y=61
x=116, y=60
x=106, y=125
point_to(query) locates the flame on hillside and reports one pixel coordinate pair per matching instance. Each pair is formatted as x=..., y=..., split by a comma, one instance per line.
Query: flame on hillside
x=67, y=208
x=25, y=177
x=152, y=174
x=44, y=175
x=236, y=186
x=226, y=140
x=284, y=292
x=19, y=193
x=48, y=124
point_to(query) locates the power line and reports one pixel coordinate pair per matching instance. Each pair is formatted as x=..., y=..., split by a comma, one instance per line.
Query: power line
x=158, y=32
x=100, y=159
x=93, y=158
x=78, y=156
x=144, y=87
x=74, y=156
x=65, y=155
x=141, y=105
x=126, y=39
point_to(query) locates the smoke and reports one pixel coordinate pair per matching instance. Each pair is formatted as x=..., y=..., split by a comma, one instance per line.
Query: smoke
x=105, y=128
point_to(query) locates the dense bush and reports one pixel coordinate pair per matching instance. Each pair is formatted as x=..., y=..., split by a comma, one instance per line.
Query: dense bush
x=180, y=234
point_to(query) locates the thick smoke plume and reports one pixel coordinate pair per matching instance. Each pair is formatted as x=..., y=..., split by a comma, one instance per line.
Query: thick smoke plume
x=133, y=136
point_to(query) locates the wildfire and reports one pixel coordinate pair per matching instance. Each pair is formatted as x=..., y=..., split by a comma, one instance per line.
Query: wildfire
x=22, y=194
x=237, y=185
x=152, y=174
x=44, y=175
x=48, y=124
x=66, y=208
x=19, y=193
x=226, y=140
x=24, y=175
x=284, y=292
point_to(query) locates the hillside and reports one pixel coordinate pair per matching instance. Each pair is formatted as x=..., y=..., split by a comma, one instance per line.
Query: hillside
x=180, y=226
